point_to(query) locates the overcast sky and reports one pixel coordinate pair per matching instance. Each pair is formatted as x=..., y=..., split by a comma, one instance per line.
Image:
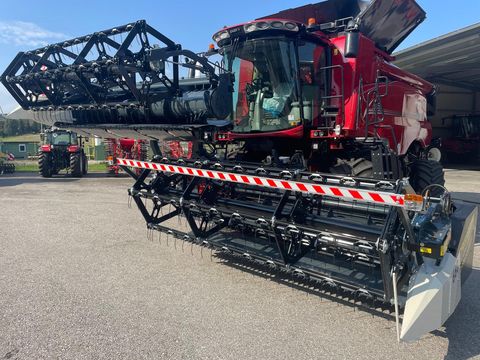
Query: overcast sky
x=26, y=25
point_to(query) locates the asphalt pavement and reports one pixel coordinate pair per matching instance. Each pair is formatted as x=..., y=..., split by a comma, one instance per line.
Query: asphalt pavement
x=79, y=279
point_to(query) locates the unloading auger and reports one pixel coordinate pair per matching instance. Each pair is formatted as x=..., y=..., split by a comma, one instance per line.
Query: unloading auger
x=289, y=150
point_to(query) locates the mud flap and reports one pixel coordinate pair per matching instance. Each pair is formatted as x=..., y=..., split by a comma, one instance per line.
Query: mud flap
x=435, y=290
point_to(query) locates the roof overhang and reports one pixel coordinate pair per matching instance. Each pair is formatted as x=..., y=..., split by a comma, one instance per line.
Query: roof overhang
x=451, y=59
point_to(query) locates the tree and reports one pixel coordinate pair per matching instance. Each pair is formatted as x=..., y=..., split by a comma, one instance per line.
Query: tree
x=19, y=127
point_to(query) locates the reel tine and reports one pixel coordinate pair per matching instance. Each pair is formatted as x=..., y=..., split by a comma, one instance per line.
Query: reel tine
x=203, y=244
x=183, y=242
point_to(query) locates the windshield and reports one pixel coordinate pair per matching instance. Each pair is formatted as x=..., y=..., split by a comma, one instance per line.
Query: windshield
x=265, y=94
x=60, y=138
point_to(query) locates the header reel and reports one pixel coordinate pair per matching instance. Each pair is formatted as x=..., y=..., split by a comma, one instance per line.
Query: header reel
x=118, y=76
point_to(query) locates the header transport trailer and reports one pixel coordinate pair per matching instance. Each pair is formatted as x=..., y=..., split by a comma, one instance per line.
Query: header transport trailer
x=307, y=150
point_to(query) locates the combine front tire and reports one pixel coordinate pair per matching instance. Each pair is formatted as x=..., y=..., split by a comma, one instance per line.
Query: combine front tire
x=355, y=167
x=426, y=172
x=45, y=165
x=76, y=160
x=362, y=168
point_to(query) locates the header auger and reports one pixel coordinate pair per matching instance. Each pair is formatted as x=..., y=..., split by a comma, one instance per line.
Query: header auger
x=303, y=148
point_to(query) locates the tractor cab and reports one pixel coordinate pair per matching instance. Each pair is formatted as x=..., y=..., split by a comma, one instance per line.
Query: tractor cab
x=60, y=138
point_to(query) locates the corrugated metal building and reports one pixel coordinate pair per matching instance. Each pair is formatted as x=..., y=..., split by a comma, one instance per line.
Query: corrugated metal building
x=451, y=62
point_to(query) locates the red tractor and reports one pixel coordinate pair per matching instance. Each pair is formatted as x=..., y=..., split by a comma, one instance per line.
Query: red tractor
x=62, y=150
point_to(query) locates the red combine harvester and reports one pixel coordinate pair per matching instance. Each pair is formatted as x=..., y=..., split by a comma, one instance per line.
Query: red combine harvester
x=123, y=148
x=303, y=150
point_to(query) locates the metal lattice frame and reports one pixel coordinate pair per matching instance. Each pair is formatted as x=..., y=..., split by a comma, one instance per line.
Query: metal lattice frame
x=106, y=68
x=296, y=225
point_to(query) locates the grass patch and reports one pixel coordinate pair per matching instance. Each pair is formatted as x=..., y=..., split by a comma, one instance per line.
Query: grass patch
x=97, y=167
x=33, y=167
x=20, y=167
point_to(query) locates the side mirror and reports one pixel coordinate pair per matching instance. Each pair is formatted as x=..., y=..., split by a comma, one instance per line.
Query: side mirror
x=351, y=44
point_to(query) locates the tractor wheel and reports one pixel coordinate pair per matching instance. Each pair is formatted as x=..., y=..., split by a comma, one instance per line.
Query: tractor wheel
x=76, y=164
x=426, y=172
x=356, y=167
x=85, y=165
x=361, y=168
x=45, y=165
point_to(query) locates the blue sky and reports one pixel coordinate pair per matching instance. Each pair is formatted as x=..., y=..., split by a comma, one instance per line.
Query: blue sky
x=24, y=26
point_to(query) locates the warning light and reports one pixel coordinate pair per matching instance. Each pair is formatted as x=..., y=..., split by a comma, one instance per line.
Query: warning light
x=211, y=47
x=312, y=21
x=414, y=202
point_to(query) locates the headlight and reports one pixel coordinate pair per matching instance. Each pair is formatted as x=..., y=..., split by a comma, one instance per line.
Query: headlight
x=277, y=25
x=291, y=26
x=222, y=35
x=250, y=27
x=263, y=25
x=270, y=25
x=338, y=130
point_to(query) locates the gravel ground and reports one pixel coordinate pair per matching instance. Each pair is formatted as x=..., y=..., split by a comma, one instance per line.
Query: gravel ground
x=79, y=279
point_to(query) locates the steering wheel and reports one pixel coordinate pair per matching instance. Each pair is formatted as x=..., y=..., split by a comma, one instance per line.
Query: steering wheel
x=255, y=85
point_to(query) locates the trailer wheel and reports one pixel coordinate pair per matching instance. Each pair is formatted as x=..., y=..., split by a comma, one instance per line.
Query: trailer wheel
x=425, y=172
x=45, y=165
x=76, y=164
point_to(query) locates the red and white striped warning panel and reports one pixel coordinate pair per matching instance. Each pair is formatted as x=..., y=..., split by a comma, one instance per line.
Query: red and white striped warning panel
x=376, y=197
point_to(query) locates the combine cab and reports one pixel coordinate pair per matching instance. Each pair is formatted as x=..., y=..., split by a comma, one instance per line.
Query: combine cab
x=62, y=150
x=303, y=148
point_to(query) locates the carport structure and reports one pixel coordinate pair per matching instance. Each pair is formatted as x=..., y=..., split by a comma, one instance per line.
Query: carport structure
x=451, y=62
